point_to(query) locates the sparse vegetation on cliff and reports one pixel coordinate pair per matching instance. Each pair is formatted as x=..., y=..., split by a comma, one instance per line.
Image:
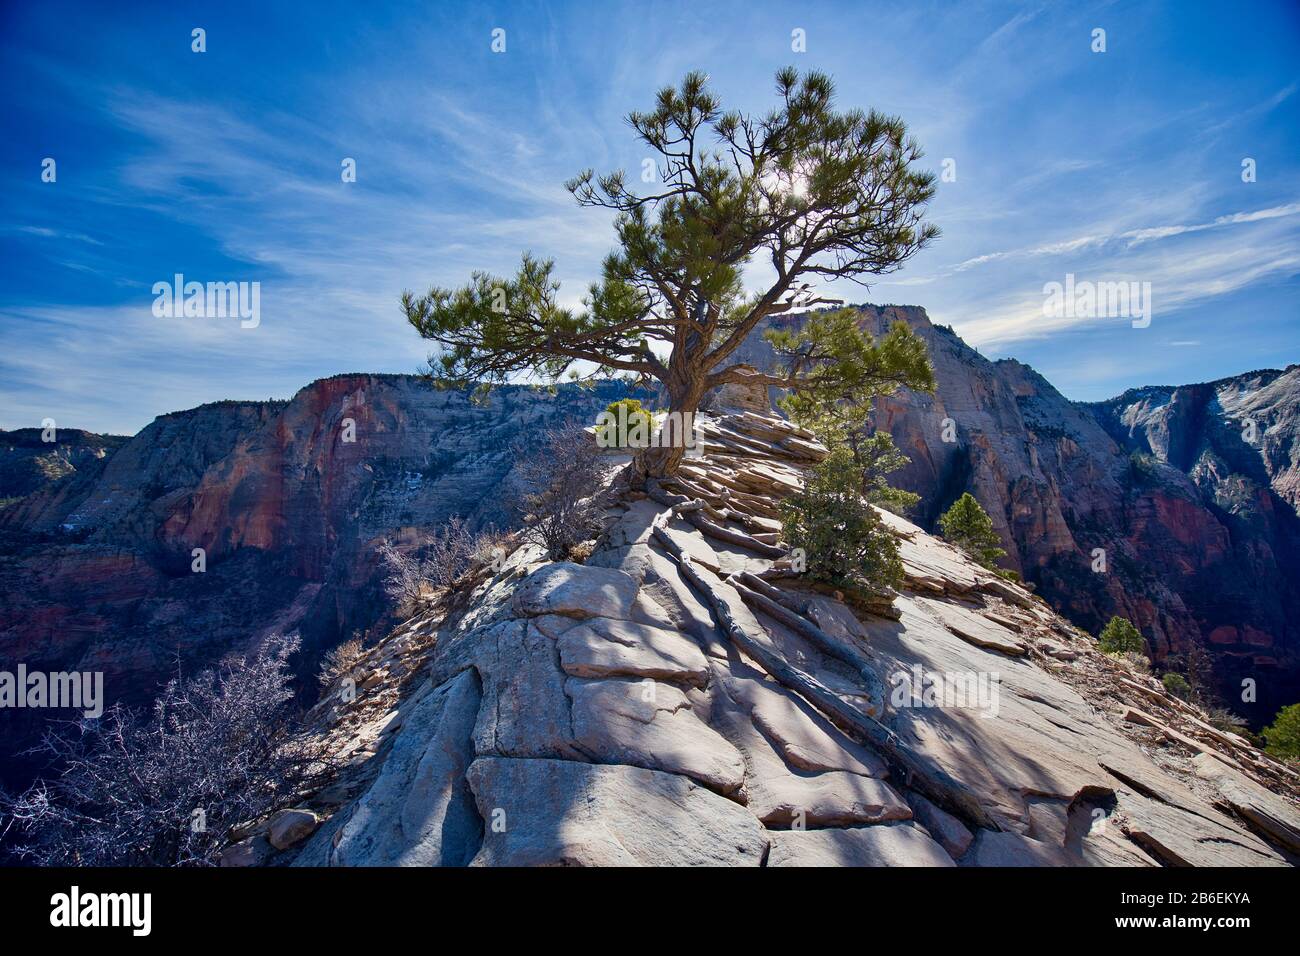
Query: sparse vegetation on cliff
x=339, y=660
x=217, y=752
x=1177, y=685
x=1282, y=736
x=414, y=579
x=1119, y=636
x=555, y=485
x=627, y=423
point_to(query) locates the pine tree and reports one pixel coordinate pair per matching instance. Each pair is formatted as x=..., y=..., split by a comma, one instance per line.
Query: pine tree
x=843, y=538
x=878, y=457
x=969, y=527
x=847, y=424
x=1176, y=684
x=1119, y=636
x=812, y=193
x=1283, y=735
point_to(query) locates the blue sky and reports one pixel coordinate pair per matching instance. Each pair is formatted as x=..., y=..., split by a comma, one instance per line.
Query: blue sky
x=225, y=166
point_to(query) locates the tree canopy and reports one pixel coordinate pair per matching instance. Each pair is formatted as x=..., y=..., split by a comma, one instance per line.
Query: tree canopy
x=810, y=192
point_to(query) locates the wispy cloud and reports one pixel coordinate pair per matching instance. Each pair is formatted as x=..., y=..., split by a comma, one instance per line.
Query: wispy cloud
x=226, y=167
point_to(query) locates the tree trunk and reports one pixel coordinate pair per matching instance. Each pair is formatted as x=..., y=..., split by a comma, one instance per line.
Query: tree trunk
x=657, y=463
x=685, y=392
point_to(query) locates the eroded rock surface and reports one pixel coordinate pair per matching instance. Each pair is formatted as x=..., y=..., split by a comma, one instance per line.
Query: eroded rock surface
x=562, y=813
x=677, y=700
x=898, y=845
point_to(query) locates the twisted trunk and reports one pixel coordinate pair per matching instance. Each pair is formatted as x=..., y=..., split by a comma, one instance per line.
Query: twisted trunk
x=685, y=393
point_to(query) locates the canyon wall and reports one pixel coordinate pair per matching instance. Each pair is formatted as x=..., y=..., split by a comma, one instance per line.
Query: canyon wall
x=96, y=562
x=1194, y=510
x=1190, y=491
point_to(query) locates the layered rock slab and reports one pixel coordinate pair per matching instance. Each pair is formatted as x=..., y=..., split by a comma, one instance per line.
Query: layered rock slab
x=1266, y=813
x=902, y=844
x=972, y=627
x=651, y=725
x=576, y=590
x=419, y=811
x=942, y=826
x=606, y=648
x=564, y=813
x=525, y=711
x=781, y=797
x=1177, y=838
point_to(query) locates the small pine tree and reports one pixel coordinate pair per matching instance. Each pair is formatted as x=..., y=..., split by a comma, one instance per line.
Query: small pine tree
x=1176, y=684
x=1119, y=636
x=847, y=422
x=1283, y=735
x=845, y=541
x=969, y=527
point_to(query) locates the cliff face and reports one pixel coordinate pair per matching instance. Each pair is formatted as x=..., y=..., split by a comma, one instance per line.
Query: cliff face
x=1198, y=525
x=288, y=500
x=1221, y=459
x=29, y=464
x=685, y=698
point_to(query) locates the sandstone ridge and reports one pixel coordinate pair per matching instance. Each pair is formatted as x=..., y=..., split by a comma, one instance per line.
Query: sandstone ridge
x=682, y=699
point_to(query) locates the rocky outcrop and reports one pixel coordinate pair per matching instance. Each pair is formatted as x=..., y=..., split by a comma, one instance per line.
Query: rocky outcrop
x=289, y=827
x=1188, y=494
x=563, y=813
x=419, y=812
x=903, y=844
x=1196, y=520
x=29, y=463
x=684, y=698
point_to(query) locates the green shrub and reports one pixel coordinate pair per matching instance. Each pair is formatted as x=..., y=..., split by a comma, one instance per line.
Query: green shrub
x=624, y=424
x=1176, y=684
x=1283, y=735
x=1119, y=636
x=969, y=527
x=844, y=541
